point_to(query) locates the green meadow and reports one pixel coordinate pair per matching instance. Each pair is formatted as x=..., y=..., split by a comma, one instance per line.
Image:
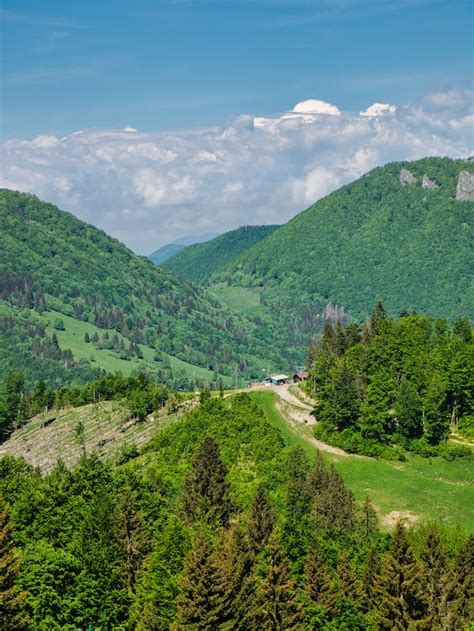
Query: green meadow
x=418, y=489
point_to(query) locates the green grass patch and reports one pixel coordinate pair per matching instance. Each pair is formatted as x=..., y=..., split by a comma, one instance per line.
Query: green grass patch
x=241, y=299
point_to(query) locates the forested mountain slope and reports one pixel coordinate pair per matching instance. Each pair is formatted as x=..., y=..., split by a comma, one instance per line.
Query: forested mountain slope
x=199, y=261
x=53, y=265
x=378, y=238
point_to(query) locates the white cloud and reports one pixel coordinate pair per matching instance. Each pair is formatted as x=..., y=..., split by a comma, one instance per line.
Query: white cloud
x=313, y=106
x=150, y=188
x=379, y=109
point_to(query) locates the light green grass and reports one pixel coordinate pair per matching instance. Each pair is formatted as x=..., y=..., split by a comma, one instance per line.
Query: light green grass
x=242, y=299
x=73, y=338
x=430, y=489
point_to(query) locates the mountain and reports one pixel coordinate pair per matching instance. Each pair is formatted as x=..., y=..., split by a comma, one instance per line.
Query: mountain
x=401, y=234
x=198, y=262
x=75, y=302
x=170, y=249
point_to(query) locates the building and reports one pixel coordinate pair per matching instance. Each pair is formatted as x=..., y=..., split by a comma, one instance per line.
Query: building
x=300, y=376
x=276, y=380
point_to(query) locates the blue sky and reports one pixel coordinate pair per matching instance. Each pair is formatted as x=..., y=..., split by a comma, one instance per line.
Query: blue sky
x=160, y=65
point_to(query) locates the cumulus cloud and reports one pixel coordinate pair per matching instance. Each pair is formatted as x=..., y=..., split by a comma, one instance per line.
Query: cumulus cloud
x=313, y=106
x=150, y=188
x=379, y=109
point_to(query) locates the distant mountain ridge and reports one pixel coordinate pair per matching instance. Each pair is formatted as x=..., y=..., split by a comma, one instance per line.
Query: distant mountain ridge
x=170, y=249
x=198, y=262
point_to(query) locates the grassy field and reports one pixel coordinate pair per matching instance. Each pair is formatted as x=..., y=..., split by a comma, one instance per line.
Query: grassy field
x=241, y=299
x=73, y=338
x=421, y=488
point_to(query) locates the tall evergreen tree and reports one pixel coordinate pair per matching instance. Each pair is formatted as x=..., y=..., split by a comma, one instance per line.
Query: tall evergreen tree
x=276, y=604
x=261, y=520
x=461, y=607
x=131, y=539
x=367, y=523
x=335, y=505
x=13, y=614
x=320, y=586
x=408, y=410
x=400, y=590
x=206, y=490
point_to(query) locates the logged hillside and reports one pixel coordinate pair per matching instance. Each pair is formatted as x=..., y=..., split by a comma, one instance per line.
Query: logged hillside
x=375, y=239
x=199, y=261
x=80, y=290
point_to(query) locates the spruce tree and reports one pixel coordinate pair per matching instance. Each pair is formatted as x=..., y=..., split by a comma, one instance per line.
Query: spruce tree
x=206, y=490
x=349, y=584
x=320, y=586
x=368, y=522
x=335, y=505
x=276, y=605
x=461, y=605
x=13, y=615
x=400, y=589
x=235, y=561
x=261, y=520
x=131, y=539
x=200, y=604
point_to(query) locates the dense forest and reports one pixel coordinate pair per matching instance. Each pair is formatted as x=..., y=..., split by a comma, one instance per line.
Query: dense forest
x=198, y=262
x=406, y=382
x=217, y=524
x=374, y=239
x=52, y=262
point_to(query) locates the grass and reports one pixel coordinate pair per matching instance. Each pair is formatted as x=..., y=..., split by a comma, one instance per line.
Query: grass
x=241, y=299
x=421, y=488
x=73, y=338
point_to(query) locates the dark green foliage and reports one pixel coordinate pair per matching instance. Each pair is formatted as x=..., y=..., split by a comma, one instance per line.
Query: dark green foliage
x=199, y=602
x=406, y=381
x=206, y=490
x=276, y=605
x=13, y=614
x=372, y=239
x=199, y=261
x=402, y=599
x=261, y=521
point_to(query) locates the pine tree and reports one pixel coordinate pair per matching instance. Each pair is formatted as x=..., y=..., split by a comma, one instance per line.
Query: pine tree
x=320, y=586
x=318, y=476
x=200, y=604
x=400, y=590
x=276, y=605
x=261, y=520
x=408, y=410
x=13, y=615
x=206, y=490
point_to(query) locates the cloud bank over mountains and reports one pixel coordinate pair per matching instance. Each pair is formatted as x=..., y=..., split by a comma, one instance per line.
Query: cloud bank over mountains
x=149, y=188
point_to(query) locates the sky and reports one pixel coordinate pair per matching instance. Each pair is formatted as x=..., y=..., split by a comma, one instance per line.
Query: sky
x=155, y=119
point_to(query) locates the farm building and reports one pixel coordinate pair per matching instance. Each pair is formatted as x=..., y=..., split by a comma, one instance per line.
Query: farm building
x=300, y=376
x=277, y=380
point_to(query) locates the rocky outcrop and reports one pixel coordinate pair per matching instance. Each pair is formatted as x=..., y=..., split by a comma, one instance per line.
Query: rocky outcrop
x=427, y=183
x=406, y=177
x=465, y=187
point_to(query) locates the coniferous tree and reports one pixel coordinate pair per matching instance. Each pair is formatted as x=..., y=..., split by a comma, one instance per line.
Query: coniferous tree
x=437, y=572
x=276, y=604
x=318, y=476
x=320, y=586
x=349, y=584
x=206, y=490
x=461, y=605
x=131, y=539
x=200, y=604
x=261, y=520
x=13, y=614
x=335, y=506
x=408, y=410
x=367, y=523
x=400, y=589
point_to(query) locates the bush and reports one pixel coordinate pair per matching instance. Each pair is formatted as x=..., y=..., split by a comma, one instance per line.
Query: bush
x=59, y=324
